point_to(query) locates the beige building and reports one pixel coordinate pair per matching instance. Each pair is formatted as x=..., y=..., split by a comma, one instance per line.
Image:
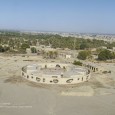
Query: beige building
x=55, y=73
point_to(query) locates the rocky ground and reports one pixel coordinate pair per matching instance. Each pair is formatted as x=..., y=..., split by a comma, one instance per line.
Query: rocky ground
x=18, y=96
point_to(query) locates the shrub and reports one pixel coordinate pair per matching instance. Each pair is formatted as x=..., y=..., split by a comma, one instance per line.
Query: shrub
x=106, y=54
x=77, y=63
x=83, y=55
x=33, y=50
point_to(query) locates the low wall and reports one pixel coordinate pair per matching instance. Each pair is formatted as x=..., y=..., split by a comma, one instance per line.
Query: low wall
x=52, y=80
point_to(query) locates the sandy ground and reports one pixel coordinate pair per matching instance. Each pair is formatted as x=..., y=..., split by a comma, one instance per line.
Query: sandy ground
x=20, y=97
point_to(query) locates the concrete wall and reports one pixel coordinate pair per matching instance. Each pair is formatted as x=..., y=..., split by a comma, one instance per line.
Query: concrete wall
x=55, y=79
x=52, y=65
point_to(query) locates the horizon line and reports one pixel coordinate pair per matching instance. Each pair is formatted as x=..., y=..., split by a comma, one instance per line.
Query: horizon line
x=48, y=31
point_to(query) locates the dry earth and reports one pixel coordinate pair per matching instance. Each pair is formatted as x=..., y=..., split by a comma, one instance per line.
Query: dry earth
x=20, y=97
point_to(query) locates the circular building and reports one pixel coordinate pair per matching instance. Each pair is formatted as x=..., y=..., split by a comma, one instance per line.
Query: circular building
x=55, y=73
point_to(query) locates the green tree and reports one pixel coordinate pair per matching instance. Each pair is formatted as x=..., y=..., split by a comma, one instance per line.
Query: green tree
x=33, y=50
x=24, y=46
x=83, y=55
x=106, y=54
x=83, y=46
x=1, y=49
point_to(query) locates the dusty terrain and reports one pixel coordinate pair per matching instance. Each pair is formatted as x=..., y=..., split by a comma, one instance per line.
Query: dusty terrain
x=20, y=97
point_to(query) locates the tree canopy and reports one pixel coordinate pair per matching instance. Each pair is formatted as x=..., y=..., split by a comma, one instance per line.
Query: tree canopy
x=83, y=55
x=105, y=55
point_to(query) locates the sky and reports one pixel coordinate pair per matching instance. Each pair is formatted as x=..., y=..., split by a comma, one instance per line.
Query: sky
x=81, y=16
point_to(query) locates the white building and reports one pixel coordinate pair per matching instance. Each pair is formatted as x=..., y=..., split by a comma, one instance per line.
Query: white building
x=68, y=56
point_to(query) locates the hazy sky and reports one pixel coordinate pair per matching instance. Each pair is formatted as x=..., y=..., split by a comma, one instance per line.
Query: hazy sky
x=58, y=15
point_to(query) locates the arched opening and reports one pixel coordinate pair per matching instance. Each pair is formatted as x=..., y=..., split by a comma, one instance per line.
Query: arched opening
x=96, y=69
x=58, y=65
x=22, y=74
x=45, y=66
x=38, y=79
x=55, y=80
x=43, y=79
x=27, y=76
x=69, y=80
x=62, y=75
